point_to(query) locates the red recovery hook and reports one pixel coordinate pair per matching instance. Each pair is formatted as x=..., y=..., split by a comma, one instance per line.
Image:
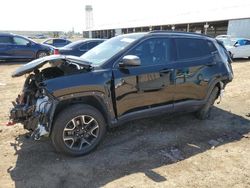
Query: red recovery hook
x=10, y=123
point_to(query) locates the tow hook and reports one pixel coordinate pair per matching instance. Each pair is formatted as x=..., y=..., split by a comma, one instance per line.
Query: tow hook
x=220, y=95
x=10, y=123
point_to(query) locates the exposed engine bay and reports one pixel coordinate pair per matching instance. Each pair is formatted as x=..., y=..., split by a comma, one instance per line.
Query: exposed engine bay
x=33, y=106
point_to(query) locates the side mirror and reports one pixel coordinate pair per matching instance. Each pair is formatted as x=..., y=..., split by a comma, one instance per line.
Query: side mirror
x=130, y=61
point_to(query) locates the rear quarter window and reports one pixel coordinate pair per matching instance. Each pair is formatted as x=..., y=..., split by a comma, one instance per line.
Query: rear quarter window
x=188, y=48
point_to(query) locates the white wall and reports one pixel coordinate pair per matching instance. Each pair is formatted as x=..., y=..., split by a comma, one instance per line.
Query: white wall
x=239, y=28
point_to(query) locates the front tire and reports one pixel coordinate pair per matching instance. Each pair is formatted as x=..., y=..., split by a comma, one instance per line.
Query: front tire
x=78, y=130
x=204, y=112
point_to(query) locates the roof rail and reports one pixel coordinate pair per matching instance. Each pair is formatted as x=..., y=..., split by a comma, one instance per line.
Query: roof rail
x=179, y=32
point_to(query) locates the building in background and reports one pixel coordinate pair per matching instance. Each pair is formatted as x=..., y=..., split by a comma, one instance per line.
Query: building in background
x=231, y=20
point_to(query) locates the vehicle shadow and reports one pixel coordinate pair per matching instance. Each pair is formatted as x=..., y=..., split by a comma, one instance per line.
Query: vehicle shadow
x=138, y=146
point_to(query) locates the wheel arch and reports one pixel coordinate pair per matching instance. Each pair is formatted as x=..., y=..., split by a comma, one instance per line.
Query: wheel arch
x=97, y=101
x=215, y=83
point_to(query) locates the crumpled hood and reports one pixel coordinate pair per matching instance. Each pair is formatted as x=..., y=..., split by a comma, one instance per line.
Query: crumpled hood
x=35, y=64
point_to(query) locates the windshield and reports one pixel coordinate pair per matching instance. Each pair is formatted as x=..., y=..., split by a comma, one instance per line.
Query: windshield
x=101, y=53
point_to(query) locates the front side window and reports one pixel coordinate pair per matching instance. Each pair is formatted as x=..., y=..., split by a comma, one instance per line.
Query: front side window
x=154, y=51
x=188, y=48
x=20, y=41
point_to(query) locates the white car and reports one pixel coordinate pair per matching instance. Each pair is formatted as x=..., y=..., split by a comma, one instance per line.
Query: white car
x=239, y=49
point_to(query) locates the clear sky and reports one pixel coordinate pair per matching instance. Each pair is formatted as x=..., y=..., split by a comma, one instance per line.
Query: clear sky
x=64, y=15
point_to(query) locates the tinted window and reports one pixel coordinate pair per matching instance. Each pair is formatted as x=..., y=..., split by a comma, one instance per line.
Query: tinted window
x=84, y=47
x=59, y=41
x=248, y=42
x=154, y=51
x=20, y=41
x=5, y=40
x=92, y=44
x=191, y=48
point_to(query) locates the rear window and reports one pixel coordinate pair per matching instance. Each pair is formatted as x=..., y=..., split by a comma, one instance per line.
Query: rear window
x=59, y=41
x=188, y=48
x=5, y=40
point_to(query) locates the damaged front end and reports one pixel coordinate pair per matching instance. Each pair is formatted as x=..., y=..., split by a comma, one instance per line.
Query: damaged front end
x=33, y=111
x=35, y=106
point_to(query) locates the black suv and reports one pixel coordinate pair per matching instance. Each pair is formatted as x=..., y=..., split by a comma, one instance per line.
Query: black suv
x=127, y=77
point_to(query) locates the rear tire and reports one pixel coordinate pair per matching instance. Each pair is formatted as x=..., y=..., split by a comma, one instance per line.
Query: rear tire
x=78, y=130
x=204, y=112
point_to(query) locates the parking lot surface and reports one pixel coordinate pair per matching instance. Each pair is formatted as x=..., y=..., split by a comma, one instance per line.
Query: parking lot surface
x=166, y=151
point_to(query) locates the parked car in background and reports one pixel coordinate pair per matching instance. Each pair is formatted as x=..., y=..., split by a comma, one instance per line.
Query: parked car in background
x=76, y=99
x=78, y=48
x=40, y=36
x=237, y=47
x=225, y=39
x=16, y=47
x=240, y=48
x=56, y=42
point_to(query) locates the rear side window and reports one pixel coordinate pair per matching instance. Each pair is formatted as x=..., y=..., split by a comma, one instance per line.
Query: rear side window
x=5, y=40
x=188, y=48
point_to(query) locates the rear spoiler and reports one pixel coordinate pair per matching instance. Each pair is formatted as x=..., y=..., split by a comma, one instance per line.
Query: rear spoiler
x=225, y=50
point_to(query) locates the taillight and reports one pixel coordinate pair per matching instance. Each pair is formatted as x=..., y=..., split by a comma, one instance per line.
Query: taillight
x=56, y=52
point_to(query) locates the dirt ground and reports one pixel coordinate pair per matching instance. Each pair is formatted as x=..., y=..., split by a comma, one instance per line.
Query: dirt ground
x=176, y=151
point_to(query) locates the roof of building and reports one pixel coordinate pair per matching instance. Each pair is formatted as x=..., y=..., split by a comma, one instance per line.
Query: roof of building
x=227, y=12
